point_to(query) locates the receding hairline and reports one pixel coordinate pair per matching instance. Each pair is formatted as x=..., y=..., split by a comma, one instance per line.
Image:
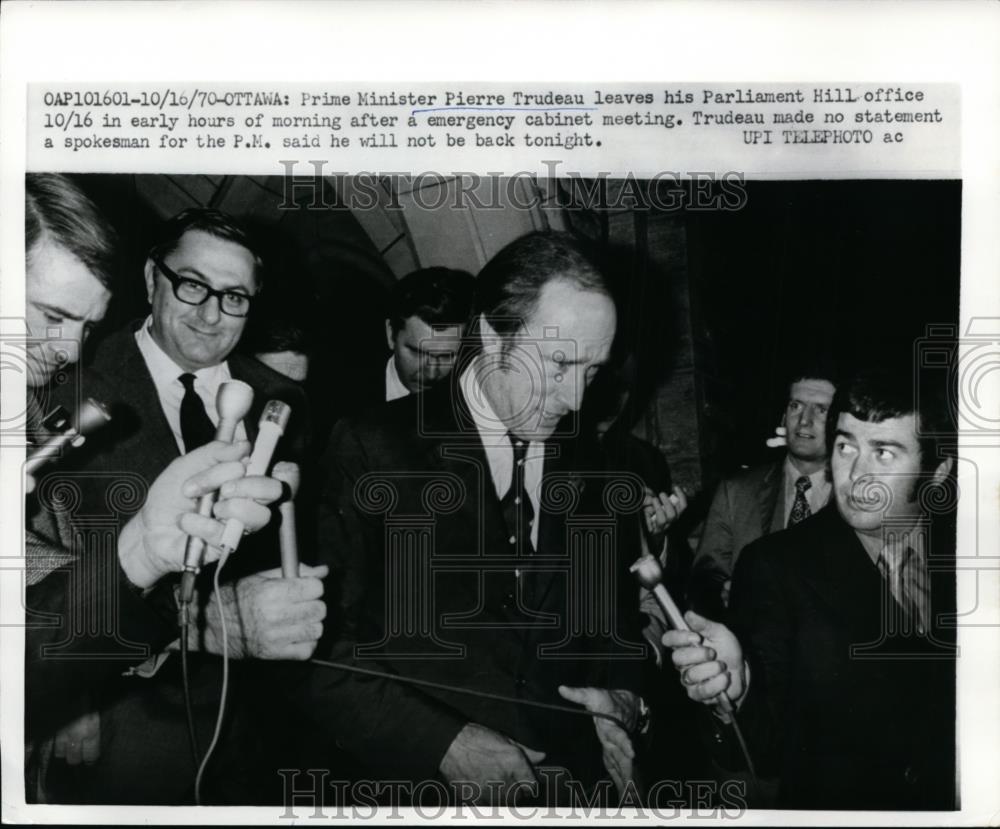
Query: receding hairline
x=577, y=281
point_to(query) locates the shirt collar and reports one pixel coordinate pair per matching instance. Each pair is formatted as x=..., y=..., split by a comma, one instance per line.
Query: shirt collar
x=817, y=478
x=394, y=387
x=162, y=367
x=491, y=429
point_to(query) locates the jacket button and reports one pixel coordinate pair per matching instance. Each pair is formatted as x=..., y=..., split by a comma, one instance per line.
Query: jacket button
x=910, y=776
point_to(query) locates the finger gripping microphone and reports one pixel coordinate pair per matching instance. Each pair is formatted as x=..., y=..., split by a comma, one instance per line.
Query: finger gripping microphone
x=232, y=401
x=289, y=474
x=271, y=427
x=649, y=574
x=89, y=417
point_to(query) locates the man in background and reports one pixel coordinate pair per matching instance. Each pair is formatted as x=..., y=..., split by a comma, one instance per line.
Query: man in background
x=428, y=314
x=768, y=497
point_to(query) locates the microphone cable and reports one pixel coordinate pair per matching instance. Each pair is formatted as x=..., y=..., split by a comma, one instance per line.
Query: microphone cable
x=225, y=686
x=183, y=610
x=457, y=689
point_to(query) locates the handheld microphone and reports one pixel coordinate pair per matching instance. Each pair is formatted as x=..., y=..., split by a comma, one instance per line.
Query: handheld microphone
x=289, y=474
x=232, y=401
x=271, y=427
x=89, y=417
x=649, y=574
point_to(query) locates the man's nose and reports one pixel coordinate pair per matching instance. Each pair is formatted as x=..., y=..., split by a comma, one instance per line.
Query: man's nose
x=806, y=416
x=859, y=467
x=210, y=310
x=74, y=331
x=66, y=349
x=570, y=390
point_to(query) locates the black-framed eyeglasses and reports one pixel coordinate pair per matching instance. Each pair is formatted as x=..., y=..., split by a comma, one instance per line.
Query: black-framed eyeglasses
x=196, y=292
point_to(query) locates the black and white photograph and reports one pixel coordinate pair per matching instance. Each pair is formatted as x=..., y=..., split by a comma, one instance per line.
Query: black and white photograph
x=402, y=449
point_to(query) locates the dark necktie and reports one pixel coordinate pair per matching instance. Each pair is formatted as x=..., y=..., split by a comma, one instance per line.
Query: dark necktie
x=892, y=563
x=517, y=509
x=800, y=506
x=197, y=428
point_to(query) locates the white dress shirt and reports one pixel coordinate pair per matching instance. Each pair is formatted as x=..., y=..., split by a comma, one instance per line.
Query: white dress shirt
x=394, y=388
x=499, y=450
x=166, y=373
x=816, y=496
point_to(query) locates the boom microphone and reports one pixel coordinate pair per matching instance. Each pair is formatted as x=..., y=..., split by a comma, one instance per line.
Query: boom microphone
x=272, y=425
x=232, y=401
x=650, y=575
x=89, y=417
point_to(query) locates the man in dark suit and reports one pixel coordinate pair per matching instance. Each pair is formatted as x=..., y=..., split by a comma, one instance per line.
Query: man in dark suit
x=160, y=379
x=476, y=551
x=429, y=310
x=768, y=497
x=70, y=250
x=842, y=662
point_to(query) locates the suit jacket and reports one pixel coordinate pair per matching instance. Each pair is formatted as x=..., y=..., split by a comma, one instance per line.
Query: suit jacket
x=62, y=589
x=848, y=711
x=138, y=441
x=745, y=507
x=56, y=665
x=110, y=475
x=411, y=524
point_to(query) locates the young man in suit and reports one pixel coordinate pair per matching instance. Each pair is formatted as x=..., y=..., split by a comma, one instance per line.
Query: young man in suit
x=841, y=655
x=428, y=314
x=449, y=518
x=768, y=497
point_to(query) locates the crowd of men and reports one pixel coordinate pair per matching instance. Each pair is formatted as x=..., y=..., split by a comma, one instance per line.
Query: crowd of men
x=464, y=617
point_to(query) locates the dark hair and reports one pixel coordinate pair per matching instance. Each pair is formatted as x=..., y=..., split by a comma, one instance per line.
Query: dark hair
x=509, y=285
x=885, y=392
x=278, y=334
x=438, y=296
x=210, y=221
x=813, y=369
x=57, y=210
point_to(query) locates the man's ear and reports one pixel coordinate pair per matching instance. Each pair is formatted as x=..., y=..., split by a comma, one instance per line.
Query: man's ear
x=150, y=273
x=943, y=470
x=390, y=338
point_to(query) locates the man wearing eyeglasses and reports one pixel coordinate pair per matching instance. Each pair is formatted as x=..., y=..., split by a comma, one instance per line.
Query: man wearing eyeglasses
x=200, y=284
x=160, y=377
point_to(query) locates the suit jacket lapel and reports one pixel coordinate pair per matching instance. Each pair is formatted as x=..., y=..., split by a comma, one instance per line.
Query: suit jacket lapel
x=138, y=392
x=560, y=461
x=842, y=574
x=455, y=446
x=769, y=497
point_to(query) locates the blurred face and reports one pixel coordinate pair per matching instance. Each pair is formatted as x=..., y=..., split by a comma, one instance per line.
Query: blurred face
x=424, y=355
x=292, y=364
x=805, y=418
x=199, y=336
x=876, y=468
x=539, y=375
x=63, y=302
